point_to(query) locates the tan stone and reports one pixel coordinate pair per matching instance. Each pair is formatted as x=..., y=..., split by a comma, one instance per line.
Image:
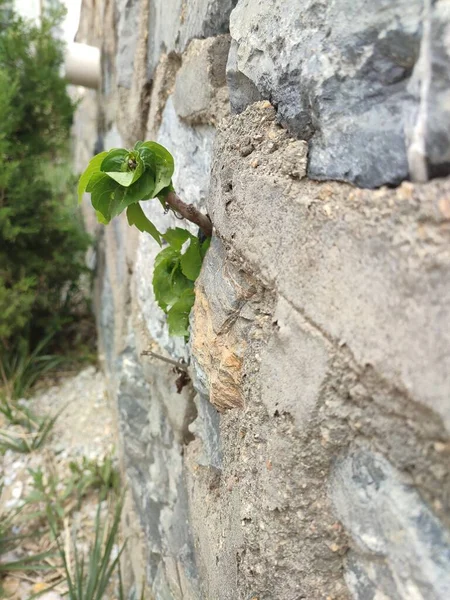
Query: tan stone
x=219, y=353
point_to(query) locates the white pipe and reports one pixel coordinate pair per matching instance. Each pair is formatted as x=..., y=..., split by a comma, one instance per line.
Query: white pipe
x=82, y=65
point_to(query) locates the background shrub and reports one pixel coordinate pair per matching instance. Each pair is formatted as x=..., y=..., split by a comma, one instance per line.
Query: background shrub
x=42, y=242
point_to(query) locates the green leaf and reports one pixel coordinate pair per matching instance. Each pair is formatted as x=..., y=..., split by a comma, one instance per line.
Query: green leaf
x=105, y=194
x=142, y=189
x=115, y=161
x=128, y=177
x=168, y=280
x=127, y=196
x=160, y=162
x=178, y=315
x=123, y=179
x=93, y=167
x=101, y=218
x=136, y=216
x=191, y=260
x=176, y=237
x=165, y=255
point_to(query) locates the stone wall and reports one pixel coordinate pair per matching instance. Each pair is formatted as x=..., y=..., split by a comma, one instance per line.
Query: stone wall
x=309, y=459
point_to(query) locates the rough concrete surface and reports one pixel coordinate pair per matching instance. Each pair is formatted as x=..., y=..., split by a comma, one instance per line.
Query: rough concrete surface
x=367, y=263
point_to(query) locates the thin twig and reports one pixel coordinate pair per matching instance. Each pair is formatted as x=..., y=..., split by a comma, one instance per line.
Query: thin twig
x=170, y=361
x=189, y=212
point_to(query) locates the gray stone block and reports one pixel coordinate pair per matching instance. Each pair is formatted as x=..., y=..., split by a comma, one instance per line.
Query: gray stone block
x=242, y=90
x=154, y=465
x=192, y=149
x=206, y=428
x=200, y=94
x=400, y=549
x=174, y=23
x=338, y=73
x=438, y=113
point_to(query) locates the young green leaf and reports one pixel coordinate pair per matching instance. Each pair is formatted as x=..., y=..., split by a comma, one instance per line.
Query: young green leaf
x=168, y=280
x=136, y=216
x=176, y=237
x=142, y=189
x=115, y=161
x=191, y=260
x=160, y=162
x=127, y=176
x=178, y=314
x=105, y=194
x=124, y=179
x=93, y=167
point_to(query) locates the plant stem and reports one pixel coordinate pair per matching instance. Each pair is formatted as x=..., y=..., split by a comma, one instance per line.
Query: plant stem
x=189, y=212
x=176, y=363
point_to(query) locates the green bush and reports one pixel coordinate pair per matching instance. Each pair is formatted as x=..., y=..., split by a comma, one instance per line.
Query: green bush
x=42, y=242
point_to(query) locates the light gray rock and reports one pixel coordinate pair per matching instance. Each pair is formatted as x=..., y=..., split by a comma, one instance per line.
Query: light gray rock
x=192, y=149
x=106, y=317
x=242, y=90
x=400, y=548
x=338, y=73
x=112, y=139
x=127, y=39
x=205, y=18
x=438, y=114
x=174, y=23
x=206, y=428
x=154, y=464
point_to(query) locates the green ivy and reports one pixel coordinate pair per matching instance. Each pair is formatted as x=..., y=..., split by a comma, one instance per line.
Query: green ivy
x=119, y=180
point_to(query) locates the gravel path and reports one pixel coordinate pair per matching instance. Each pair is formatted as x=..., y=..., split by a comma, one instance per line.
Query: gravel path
x=85, y=428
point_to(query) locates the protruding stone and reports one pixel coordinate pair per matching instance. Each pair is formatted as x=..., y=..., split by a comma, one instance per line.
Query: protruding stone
x=219, y=334
x=127, y=40
x=174, y=23
x=192, y=149
x=242, y=90
x=361, y=265
x=201, y=94
x=162, y=87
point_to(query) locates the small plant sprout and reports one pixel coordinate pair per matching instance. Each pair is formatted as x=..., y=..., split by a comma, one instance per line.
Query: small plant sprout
x=119, y=180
